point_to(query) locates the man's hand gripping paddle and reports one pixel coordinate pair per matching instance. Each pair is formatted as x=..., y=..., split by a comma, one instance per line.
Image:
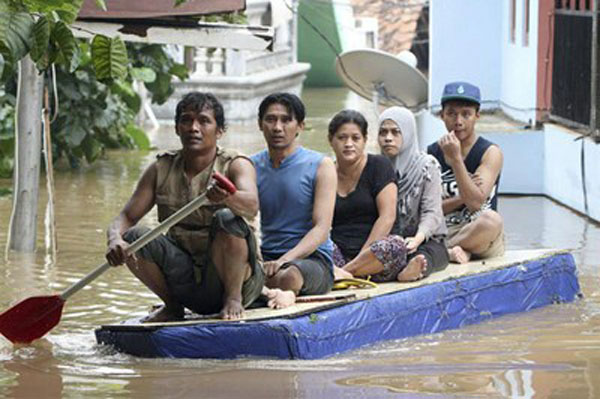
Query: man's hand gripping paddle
x=33, y=317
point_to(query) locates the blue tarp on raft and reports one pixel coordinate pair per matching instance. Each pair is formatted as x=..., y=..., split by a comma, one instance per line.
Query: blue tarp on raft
x=422, y=310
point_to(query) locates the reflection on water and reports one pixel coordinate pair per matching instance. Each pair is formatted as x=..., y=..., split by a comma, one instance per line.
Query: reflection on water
x=553, y=352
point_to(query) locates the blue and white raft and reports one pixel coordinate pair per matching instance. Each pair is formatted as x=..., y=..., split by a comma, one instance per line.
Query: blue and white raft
x=458, y=296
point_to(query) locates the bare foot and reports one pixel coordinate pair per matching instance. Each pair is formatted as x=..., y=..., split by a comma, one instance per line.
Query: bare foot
x=458, y=255
x=279, y=299
x=232, y=310
x=414, y=270
x=163, y=314
x=340, y=274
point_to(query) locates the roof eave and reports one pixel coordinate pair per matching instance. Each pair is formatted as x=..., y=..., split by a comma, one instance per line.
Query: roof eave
x=218, y=35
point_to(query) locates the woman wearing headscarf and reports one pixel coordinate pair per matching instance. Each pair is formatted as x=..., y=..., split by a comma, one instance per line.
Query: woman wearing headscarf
x=418, y=177
x=364, y=228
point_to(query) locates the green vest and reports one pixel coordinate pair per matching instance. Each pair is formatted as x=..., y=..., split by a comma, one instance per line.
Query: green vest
x=174, y=190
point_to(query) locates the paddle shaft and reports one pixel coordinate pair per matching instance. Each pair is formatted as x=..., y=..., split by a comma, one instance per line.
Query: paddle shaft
x=151, y=235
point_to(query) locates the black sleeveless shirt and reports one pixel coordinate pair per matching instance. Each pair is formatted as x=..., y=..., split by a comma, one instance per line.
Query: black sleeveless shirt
x=450, y=187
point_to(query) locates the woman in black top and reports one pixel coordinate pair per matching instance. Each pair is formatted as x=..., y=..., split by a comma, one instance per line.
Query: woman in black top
x=364, y=222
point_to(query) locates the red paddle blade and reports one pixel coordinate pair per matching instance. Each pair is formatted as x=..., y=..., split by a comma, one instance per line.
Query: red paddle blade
x=31, y=318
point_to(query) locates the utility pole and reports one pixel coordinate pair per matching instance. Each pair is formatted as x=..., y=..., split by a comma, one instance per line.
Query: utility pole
x=28, y=140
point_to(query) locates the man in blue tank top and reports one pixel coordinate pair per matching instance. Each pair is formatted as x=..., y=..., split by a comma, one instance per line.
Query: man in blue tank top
x=296, y=189
x=471, y=168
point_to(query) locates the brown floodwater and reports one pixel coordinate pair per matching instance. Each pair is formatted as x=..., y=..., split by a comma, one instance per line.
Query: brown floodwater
x=553, y=352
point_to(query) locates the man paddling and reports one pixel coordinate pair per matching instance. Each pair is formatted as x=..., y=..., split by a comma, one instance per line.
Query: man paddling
x=297, y=190
x=471, y=167
x=209, y=261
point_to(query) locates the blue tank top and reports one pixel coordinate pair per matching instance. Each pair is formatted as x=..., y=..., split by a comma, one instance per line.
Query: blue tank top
x=286, y=196
x=450, y=188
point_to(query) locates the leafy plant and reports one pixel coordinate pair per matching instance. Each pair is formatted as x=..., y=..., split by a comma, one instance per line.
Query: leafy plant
x=155, y=58
x=7, y=137
x=94, y=80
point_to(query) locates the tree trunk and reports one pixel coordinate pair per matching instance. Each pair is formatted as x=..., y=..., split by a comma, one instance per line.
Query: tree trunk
x=23, y=223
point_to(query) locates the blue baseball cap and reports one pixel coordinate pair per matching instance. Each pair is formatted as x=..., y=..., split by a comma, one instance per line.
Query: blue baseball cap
x=461, y=91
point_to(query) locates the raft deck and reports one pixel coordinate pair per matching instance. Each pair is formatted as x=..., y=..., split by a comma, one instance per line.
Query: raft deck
x=324, y=325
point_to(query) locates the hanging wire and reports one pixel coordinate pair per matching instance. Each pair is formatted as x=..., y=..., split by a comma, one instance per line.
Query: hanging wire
x=545, y=108
x=422, y=105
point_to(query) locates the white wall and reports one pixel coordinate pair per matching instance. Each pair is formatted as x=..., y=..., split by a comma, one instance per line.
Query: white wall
x=465, y=45
x=470, y=40
x=523, y=171
x=563, y=169
x=429, y=128
x=519, y=63
x=344, y=18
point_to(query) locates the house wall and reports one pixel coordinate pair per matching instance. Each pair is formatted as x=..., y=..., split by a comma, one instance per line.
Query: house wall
x=563, y=180
x=464, y=41
x=518, y=94
x=470, y=40
x=524, y=161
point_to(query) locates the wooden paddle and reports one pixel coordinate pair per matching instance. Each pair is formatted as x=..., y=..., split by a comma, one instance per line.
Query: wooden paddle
x=33, y=317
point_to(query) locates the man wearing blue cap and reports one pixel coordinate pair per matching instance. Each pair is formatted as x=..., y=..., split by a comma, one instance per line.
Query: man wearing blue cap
x=471, y=168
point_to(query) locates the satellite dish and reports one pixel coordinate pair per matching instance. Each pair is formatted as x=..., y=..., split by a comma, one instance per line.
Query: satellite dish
x=409, y=57
x=383, y=78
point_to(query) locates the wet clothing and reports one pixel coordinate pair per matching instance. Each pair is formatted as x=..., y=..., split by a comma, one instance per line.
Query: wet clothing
x=450, y=187
x=287, y=196
x=495, y=248
x=420, y=209
x=196, y=285
x=356, y=213
x=419, y=192
x=316, y=273
x=183, y=254
x=174, y=190
x=436, y=254
x=390, y=251
x=461, y=217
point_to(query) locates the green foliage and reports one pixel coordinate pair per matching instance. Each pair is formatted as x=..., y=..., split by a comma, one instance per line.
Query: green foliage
x=15, y=31
x=125, y=91
x=93, y=116
x=66, y=10
x=101, y=4
x=97, y=100
x=143, y=74
x=47, y=39
x=109, y=57
x=40, y=43
x=230, y=18
x=7, y=136
x=138, y=136
x=64, y=48
x=154, y=57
